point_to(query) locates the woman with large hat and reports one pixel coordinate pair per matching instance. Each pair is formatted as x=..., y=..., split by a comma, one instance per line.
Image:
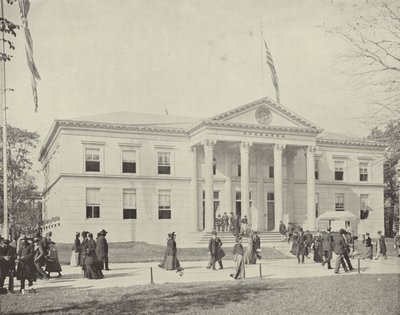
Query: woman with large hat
x=239, y=269
x=172, y=262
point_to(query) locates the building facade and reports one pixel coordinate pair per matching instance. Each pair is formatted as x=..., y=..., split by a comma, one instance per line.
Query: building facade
x=141, y=176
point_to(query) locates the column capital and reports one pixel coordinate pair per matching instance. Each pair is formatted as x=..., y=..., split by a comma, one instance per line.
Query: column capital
x=278, y=147
x=208, y=142
x=245, y=146
x=311, y=149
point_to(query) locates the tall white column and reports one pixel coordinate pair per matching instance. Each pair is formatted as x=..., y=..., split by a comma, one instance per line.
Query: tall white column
x=278, y=148
x=290, y=188
x=194, y=190
x=208, y=184
x=260, y=192
x=228, y=182
x=311, y=188
x=244, y=177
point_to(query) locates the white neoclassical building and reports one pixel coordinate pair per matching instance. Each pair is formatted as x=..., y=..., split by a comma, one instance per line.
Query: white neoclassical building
x=140, y=176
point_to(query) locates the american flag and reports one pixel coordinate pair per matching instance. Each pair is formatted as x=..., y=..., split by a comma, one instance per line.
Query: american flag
x=24, y=6
x=271, y=65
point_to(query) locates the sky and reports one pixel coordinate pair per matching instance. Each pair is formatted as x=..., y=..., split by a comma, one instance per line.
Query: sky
x=197, y=58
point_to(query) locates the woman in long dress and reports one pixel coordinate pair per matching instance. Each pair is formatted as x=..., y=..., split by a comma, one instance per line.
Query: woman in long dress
x=172, y=262
x=239, y=269
x=91, y=262
x=317, y=248
x=74, y=261
x=369, y=248
x=52, y=263
x=164, y=260
x=250, y=256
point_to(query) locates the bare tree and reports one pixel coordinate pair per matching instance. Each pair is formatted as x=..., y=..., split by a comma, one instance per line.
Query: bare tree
x=373, y=58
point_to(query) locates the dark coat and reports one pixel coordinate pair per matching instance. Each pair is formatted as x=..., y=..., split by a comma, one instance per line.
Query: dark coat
x=7, y=265
x=309, y=238
x=212, y=246
x=90, y=257
x=77, y=244
x=26, y=269
x=238, y=249
x=368, y=242
x=382, y=244
x=102, y=248
x=340, y=246
x=327, y=243
x=301, y=243
x=282, y=228
x=82, y=252
x=171, y=248
x=256, y=242
x=42, y=251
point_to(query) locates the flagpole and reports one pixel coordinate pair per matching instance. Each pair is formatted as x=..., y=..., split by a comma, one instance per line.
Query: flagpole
x=4, y=111
x=262, y=61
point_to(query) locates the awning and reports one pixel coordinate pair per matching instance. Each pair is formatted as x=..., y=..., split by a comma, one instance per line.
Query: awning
x=337, y=216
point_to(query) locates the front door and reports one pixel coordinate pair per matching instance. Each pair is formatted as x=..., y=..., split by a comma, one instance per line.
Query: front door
x=270, y=211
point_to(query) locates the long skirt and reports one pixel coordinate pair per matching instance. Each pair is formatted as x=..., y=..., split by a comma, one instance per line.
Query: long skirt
x=53, y=265
x=26, y=270
x=92, y=271
x=172, y=263
x=74, y=261
x=318, y=256
x=239, y=271
x=250, y=256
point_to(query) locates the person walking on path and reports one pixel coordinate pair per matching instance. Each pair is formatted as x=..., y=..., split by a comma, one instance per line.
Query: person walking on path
x=397, y=243
x=368, y=247
x=172, y=262
x=41, y=252
x=317, y=248
x=75, y=251
x=52, y=263
x=301, y=246
x=82, y=251
x=339, y=248
x=102, y=250
x=91, y=262
x=250, y=257
x=239, y=268
x=163, y=261
x=26, y=269
x=309, y=241
x=327, y=246
x=215, y=250
x=380, y=246
x=282, y=231
x=346, y=258
x=8, y=255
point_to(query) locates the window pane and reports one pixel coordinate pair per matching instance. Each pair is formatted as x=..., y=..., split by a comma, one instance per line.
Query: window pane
x=92, y=196
x=92, y=154
x=271, y=172
x=270, y=197
x=216, y=195
x=96, y=212
x=89, y=213
x=164, y=170
x=92, y=166
x=129, y=214
x=164, y=214
x=338, y=175
x=238, y=195
x=129, y=156
x=129, y=167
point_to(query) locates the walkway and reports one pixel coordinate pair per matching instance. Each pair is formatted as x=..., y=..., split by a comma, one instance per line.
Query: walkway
x=129, y=274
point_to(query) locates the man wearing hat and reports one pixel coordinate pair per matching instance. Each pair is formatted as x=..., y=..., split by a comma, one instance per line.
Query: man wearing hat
x=41, y=252
x=8, y=255
x=380, y=246
x=102, y=250
x=214, y=248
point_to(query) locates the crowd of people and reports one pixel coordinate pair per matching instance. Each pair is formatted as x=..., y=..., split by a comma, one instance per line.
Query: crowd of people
x=232, y=223
x=323, y=245
x=28, y=259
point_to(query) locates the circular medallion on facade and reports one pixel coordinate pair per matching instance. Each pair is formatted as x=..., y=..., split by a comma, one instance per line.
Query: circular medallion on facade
x=263, y=116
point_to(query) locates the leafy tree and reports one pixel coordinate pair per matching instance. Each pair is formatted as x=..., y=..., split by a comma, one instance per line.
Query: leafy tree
x=373, y=58
x=390, y=135
x=24, y=210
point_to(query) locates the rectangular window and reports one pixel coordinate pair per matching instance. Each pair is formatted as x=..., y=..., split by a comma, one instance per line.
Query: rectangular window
x=92, y=203
x=364, y=211
x=164, y=163
x=363, y=171
x=339, y=170
x=164, y=204
x=316, y=169
x=316, y=205
x=92, y=160
x=128, y=162
x=271, y=171
x=238, y=195
x=239, y=170
x=129, y=204
x=214, y=167
x=339, y=202
x=270, y=196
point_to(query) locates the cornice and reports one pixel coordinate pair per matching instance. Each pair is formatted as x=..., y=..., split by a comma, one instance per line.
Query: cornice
x=359, y=143
x=252, y=127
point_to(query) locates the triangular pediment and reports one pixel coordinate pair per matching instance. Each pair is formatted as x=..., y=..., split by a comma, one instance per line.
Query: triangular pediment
x=264, y=112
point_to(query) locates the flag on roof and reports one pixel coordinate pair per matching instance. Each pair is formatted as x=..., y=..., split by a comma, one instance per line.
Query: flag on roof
x=274, y=77
x=24, y=6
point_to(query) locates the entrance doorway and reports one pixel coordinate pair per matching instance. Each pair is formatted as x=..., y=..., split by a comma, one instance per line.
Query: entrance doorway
x=216, y=207
x=239, y=203
x=269, y=216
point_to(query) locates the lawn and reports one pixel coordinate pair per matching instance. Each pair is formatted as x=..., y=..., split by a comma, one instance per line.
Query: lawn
x=354, y=294
x=143, y=252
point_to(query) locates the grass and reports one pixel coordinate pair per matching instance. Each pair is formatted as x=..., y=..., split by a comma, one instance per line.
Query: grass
x=353, y=294
x=143, y=252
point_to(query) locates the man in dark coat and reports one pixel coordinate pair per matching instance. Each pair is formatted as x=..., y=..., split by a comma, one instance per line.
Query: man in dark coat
x=346, y=259
x=340, y=249
x=282, y=231
x=8, y=254
x=301, y=244
x=40, y=254
x=214, y=248
x=327, y=246
x=102, y=250
x=380, y=246
x=82, y=251
x=309, y=241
